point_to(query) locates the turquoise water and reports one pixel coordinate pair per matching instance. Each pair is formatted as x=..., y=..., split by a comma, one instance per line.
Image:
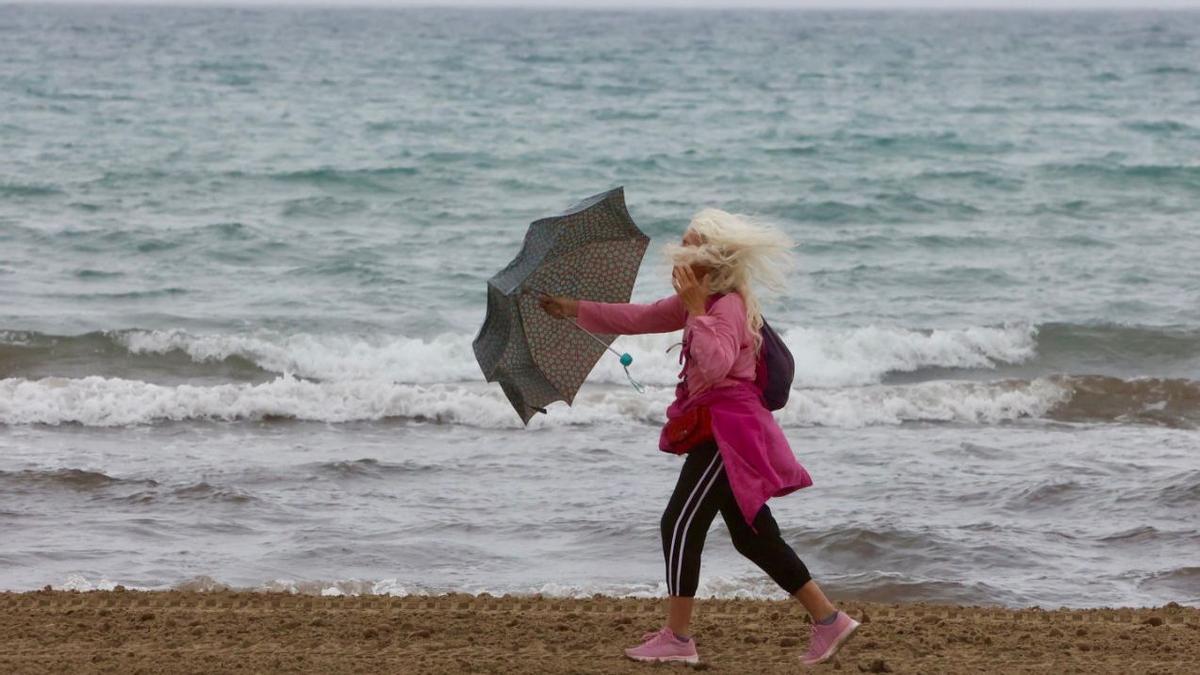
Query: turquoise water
x=245, y=242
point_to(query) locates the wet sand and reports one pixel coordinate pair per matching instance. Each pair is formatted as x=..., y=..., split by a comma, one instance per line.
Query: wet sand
x=190, y=632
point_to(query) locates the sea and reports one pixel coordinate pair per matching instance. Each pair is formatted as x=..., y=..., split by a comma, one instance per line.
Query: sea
x=244, y=253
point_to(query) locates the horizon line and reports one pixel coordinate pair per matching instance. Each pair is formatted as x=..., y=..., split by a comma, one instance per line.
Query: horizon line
x=591, y=6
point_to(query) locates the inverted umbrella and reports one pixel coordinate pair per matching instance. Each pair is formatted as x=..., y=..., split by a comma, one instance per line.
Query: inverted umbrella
x=591, y=251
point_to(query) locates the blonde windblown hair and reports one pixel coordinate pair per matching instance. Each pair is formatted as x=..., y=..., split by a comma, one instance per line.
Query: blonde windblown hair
x=741, y=250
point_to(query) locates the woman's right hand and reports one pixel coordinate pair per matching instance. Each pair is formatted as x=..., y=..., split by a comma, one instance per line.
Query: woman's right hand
x=558, y=306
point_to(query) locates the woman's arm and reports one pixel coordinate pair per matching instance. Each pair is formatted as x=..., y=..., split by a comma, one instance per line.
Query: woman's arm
x=620, y=318
x=716, y=339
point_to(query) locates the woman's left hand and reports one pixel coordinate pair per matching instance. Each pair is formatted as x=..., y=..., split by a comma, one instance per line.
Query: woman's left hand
x=692, y=291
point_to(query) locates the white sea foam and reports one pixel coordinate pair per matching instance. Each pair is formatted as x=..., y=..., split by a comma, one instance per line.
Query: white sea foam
x=98, y=401
x=750, y=587
x=445, y=358
x=78, y=582
x=939, y=401
x=839, y=358
x=824, y=358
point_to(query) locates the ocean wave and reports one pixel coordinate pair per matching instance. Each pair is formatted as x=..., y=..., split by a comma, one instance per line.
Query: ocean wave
x=836, y=358
x=1158, y=127
x=1161, y=175
x=70, y=478
x=102, y=402
x=194, y=492
x=1171, y=70
x=1139, y=536
x=220, y=239
x=99, y=401
x=171, y=291
x=445, y=358
x=873, y=587
x=795, y=150
x=1182, y=583
x=831, y=212
x=1108, y=343
x=368, y=467
x=379, y=179
x=323, y=206
x=28, y=190
x=1049, y=494
x=1181, y=490
x=936, y=401
x=106, y=402
x=97, y=274
x=824, y=357
x=1170, y=402
x=1179, y=583
x=921, y=142
x=33, y=354
x=920, y=242
x=711, y=586
x=881, y=208
x=845, y=378
x=99, y=485
x=974, y=178
x=204, y=491
x=897, y=587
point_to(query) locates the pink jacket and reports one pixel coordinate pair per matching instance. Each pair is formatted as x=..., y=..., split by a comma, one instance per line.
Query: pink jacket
x=719, y=374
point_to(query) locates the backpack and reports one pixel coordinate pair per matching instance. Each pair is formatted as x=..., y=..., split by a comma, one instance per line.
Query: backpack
x=775, y=369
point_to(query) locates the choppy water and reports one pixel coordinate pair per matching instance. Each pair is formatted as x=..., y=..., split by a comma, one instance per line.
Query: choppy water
x=243, y=254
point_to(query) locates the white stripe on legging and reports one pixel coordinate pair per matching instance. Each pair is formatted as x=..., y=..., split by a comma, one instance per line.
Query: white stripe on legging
x=688, y=524
x=673, y=580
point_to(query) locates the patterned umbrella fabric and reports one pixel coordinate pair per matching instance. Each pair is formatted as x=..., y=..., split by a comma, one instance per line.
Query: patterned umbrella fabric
x=590, y=251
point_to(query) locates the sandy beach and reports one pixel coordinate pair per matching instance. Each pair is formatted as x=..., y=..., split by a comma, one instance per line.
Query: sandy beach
x=189, y=632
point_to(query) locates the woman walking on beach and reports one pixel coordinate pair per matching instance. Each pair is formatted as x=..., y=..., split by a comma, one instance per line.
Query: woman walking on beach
x=747, y=459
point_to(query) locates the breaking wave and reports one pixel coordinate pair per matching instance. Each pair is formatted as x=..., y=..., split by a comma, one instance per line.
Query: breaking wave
x=850, y=377
x=824, y=358
x=103, y=402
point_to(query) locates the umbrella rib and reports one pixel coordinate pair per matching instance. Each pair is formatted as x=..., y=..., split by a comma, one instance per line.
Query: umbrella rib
x=573, y=323
x=591, y=335
x=622, y=357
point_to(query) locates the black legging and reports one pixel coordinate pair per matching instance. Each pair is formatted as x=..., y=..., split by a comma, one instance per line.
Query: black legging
x=703, y=490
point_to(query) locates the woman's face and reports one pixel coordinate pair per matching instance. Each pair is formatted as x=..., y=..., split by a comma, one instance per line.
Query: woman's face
x=693, y=238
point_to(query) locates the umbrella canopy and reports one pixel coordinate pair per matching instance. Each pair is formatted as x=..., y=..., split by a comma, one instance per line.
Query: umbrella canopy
x=591, y=251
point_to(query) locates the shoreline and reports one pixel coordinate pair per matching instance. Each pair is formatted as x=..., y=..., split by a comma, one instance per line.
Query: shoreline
x=222, y=631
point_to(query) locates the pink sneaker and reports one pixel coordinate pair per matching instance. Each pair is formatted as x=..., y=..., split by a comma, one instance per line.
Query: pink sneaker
x=662, y=645
x=825, y=641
